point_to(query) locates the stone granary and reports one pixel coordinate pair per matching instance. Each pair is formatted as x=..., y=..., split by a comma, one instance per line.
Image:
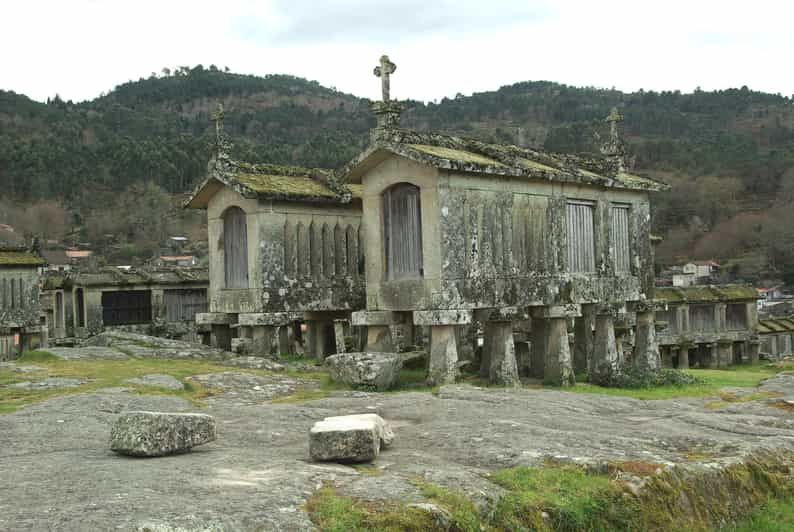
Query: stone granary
x=708, y=326
x=458, y=230
x=283, y=248
x=777, y=337
x=21, y=327
x=150, y=301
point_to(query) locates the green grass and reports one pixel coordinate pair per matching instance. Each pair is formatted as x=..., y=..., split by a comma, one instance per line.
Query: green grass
x=331, y=512
x=743, y=376
x=570, y=497
x=774, y=516
x=102, y=374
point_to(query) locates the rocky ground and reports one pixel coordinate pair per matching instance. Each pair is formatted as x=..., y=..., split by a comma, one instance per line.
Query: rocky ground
x=58, y=472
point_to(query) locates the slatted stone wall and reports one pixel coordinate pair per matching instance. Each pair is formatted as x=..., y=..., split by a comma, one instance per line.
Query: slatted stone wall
x=620, y=239
x=320, y=251
x=581, y=237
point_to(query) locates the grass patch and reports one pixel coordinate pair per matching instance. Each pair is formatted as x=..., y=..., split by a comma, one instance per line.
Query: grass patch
x=103, y=374
x=463, y=515
x=561, y=497
x=743, y=376
x=335, y=513
x=774, y=516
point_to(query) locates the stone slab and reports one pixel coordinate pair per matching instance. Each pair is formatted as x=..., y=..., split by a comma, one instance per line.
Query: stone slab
x=87, y=353
x=557, y=311
x=442, y=317
x=149, y=434
x=252, y=319
x=214, y=318
x=375, y=317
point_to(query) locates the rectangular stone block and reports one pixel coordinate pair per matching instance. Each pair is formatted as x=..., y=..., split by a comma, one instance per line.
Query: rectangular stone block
x=253, y=319
x=442, y=317
x=375, y=317
x=215, y=318
x=355, y=438
x=557, y=311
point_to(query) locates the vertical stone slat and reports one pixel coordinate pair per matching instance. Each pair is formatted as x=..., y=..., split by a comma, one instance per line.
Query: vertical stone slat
x=340, y=251
x=351, y=237
x=329, y=265
x=290, y=250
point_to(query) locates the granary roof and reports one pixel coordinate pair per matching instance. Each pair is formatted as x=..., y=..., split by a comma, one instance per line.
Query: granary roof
x=270, y=181
x=705, y=293
x=18, y=257
x=117, y=277
x=776, y=325
x=473, y=156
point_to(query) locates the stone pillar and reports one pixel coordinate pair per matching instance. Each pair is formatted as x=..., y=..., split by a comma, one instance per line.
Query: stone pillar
x=522, y=358
x=710, y=358
x=558, y=367
x=318, y=332
x=485, y=359
x=263, y=340
x=443, y=355
x=285, y=342
x=646, y=349
x=753, y=348
x=379, y=339
x=443, y=364
x=721, y=318
x=605, y=352
x=537, y=355
x=584, y=340
x=221, y=337
x=666, y=353
x=724, y=353
x=683, y=356
x=339, y=335
x=503, y=368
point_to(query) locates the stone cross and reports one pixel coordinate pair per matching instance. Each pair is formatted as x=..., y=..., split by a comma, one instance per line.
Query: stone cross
x=614, y=118
x=217, y=117
x=383, y=71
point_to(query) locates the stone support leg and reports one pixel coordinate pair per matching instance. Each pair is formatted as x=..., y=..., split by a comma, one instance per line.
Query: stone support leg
x=683, y=357
x=221, y=337
x=502, y=368
x=485, y=359
x=753, y=348
x=666, y=353
x=339, y=335
x=725, y=354
x=522, y=358
x=443, y=355
x=558, y=367
x=379, y=339
x=318, y=333
x=646, y=349
x=584, y=341
x=605, y=352
x=537, y=356
x=709, y=355
x=285, y=342
x=263, y=340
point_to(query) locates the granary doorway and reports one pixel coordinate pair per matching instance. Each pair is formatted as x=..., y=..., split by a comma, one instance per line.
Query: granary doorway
x=402, y=224
x=126, y=307
x=235, y=248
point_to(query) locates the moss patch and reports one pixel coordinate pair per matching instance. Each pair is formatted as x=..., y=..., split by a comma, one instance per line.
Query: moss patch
x=103, y=374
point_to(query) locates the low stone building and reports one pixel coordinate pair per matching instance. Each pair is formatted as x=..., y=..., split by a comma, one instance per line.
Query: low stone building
x=458, y=230
x=150, y=301
x=21, y=326
x=284, y=247
x=708, y=326
x=777, y=337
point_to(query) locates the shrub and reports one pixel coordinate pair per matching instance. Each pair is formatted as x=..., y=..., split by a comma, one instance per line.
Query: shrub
x=631, y=377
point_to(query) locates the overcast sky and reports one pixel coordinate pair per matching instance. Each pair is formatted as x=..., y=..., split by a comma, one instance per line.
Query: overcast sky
x=80, y=48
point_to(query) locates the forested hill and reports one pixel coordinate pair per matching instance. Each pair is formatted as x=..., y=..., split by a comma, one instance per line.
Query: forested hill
x=726, y=152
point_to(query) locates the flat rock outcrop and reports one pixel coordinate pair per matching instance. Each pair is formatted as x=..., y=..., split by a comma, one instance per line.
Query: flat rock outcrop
x=373, y=371
x=157, y=380
x=355, y=438
x=160, y=433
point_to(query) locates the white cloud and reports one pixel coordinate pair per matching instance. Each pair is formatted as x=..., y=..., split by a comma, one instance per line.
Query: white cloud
x=83, y=47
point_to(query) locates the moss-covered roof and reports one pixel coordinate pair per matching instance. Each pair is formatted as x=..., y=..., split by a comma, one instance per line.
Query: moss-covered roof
x=19, y=258
x=142, y=277
x=706, y=293
x=473, y=156
x=776, y=325
x=270, y=181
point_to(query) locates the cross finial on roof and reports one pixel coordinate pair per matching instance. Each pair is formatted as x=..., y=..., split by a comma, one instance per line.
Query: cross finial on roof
x=217, y=117
x=614, y=119
x=383, y=71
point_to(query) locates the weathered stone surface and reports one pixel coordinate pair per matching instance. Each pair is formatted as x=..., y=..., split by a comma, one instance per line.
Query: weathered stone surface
x=245, y=388
x=52, y=382
x=646, y=349
x=443, y=355
x=442, y=317
x=558, y=368
x=160, y=433
x=377, y=371
x=605, y=360
x=87, y=353
x=503, y=367
x=158, y=380
x=354, y=438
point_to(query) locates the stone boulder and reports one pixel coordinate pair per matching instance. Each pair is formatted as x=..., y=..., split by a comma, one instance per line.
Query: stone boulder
x=160, y=433
x=372, y=371
x=355, y=438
